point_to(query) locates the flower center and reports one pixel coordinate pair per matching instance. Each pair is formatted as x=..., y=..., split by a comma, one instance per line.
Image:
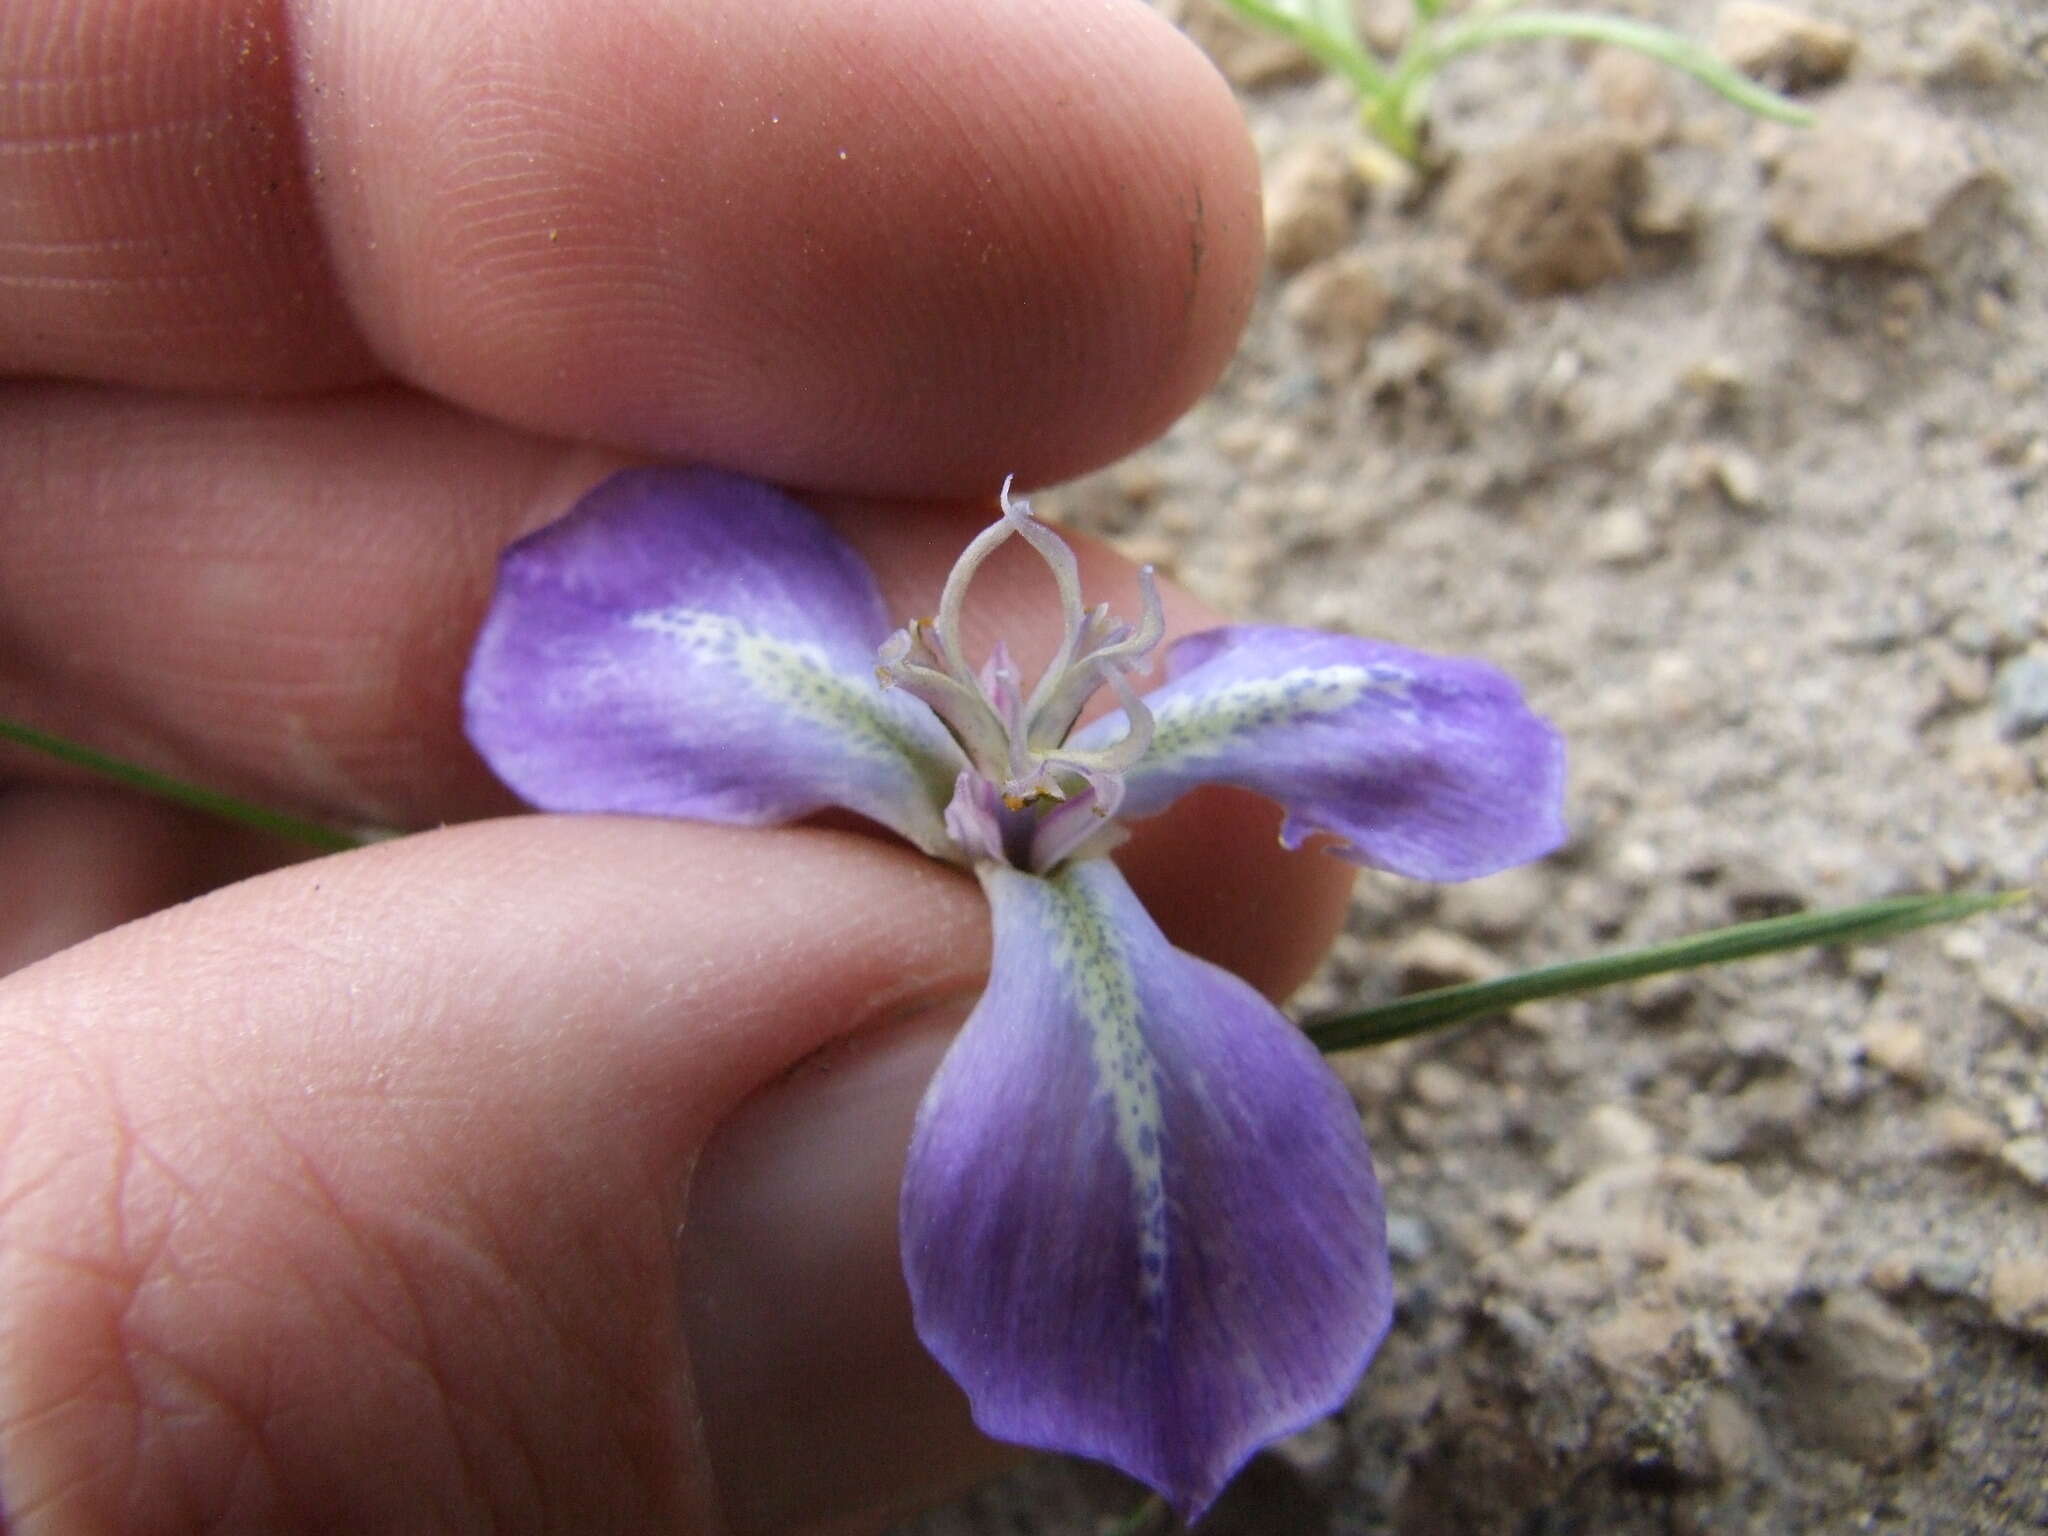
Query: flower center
x=1017, y=744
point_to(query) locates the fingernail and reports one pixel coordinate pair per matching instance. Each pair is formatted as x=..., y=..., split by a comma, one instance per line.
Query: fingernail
x=821, y=1410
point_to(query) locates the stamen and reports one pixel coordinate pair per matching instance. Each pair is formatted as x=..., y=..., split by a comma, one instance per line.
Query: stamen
x=1122, y=754
x=961, y=706
x=1059, y=699
x=953, y=599
x=1066, y=575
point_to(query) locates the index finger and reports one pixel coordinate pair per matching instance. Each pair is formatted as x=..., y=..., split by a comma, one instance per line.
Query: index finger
x=901, y=247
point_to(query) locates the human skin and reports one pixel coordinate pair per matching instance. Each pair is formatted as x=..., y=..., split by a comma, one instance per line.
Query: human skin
x=535, y=1172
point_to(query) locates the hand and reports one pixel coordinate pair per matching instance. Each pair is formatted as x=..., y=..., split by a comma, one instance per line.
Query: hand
x=539, y=1172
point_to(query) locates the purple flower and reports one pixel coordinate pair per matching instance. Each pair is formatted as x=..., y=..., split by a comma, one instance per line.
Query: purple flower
x=1139, y=1220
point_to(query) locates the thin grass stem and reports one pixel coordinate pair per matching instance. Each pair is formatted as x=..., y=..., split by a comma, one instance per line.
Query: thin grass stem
x=1667, y=48
x=295, y=829
x=1442, y=1007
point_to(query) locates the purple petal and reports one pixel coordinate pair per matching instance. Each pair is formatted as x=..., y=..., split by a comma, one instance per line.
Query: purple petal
x=690, y=643
x=1139, y=1219
x=1431, y=766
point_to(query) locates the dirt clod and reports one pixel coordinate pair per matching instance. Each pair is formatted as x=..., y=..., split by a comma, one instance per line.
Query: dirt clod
x=1549, y=214
x=1780, y=46
x=1339, y=305
x=1881, y=178
x=1857, y=1383
x=1312, y=196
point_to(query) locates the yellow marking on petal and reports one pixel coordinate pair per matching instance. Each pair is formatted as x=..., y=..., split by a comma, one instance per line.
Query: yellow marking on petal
x=1198, y=726
x=794, y=674
x=1089, y=954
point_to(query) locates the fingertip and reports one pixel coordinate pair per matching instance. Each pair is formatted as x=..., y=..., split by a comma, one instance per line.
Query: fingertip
x=419, y=1120
x=903, y=248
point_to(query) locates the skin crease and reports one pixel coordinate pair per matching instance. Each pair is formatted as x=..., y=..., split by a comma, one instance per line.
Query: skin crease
x=538, y=1172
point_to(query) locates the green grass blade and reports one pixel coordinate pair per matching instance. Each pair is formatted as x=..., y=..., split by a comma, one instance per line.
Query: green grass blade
x=312, y=834
x=1444, y=1006
x=1666, y=48
x=1338, y=51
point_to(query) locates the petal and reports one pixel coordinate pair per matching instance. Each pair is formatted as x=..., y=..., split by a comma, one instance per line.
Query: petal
x=1139, y=1219
x=690, y=643
x=1431, y=766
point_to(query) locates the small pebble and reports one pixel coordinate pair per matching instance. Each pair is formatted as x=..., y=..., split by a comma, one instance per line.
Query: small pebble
x=1960, y=1132
x=1339, y=305
x=1610, y=1136
x=1409, y=1239
x=1892, y=1274
x=1318, y=1453
x=1633, y=92
x=1975, y=52
x=1619, y=1135
x=2019, y=1294
x=2020, y=696
x=1964, y=946
x=1635, y=1338
x=1438, y=1086
x=1997, y=766
x=1514, y=1208
x=1621, y=536
x=1432, y=957
x=1971, y=635
x=1899, y=1048
x=1312, y=196
x=1667, y=212
x=2028, y=1157
x=1733, y=1437
x=1858, y=1384
x=1705, y=469
x=2016, y=984
x=1498, y=906
x=1780, y=46
x=1860, y=1337
x=1904, y=309
x=1880, y=177
x=1947, y=1274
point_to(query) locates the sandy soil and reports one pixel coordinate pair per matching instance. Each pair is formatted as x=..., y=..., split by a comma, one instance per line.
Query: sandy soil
x=1731, y=444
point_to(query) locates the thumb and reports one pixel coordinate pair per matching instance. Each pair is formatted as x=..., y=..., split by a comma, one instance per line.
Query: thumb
x=359, y=1196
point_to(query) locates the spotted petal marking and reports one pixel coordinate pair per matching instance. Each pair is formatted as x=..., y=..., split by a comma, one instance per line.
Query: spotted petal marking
x=1139, y=1219
x=1429, y=766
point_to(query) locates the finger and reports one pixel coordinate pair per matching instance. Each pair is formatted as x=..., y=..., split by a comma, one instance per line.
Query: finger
x=81, y=860
x=280, y=601
x=795, y=1200
x=286, y=596
x=348, y=1198
x=906, y=247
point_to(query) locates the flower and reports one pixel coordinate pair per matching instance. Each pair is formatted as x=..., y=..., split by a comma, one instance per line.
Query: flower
x=1139, y=1220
